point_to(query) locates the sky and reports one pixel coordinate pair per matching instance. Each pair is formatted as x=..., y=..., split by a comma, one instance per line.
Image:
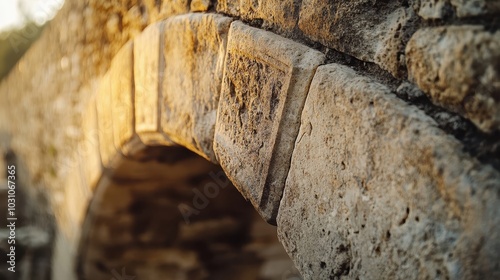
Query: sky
x=38, y=10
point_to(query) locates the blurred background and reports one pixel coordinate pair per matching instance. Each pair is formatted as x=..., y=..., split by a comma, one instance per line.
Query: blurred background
x=22, y=20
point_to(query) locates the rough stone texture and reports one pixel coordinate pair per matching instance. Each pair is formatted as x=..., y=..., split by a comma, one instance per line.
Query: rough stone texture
x=200, y=5
x=89, y=154
x=439, y=9
x=122, y=96
x=468, y=8
x=459, y=68
x=277, y=14
x=373, y=31
x=105, y=119
x=258, y=116
x=194, y=50
x=147, y=63
x=371, y=193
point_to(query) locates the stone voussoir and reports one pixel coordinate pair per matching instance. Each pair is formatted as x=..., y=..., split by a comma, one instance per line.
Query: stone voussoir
x=258, y=116
x=457, y=67
x=122, y=96
x=400, y=201
x=105, y=119
x=148, y=60
x=194, y=49
x=88, y=151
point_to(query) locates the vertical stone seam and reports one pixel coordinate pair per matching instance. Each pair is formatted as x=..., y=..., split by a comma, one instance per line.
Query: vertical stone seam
x=265, y=196
x=289, y=165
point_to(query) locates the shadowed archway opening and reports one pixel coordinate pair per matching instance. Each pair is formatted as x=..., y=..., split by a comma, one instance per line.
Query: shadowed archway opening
x=167, y=213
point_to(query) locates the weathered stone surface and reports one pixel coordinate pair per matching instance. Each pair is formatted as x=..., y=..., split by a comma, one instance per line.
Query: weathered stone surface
x=194, y=50
x=438, y=9
x=173, y=7
x=147, y=63
x=277, y=14
x=265, y=84
x=148, y=60
x=122, y=92
x=368, y=30
x=457, y=66
x=467, y=8
x=200, y=5
x=377, y=191
x=89, y=146
x=105, y=121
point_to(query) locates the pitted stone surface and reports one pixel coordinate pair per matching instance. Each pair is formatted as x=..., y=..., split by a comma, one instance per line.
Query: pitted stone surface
x=368, y=30
x=458, y=67
x=265, y=84
x=122, y=91
x=277, y=14
x=371, y=193
x=194, y=50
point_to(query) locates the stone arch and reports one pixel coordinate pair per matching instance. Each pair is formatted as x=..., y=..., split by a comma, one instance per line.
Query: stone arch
x=365, y=172
x=147, y=153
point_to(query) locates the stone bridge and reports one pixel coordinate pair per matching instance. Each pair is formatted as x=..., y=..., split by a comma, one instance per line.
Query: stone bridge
x=367, y=132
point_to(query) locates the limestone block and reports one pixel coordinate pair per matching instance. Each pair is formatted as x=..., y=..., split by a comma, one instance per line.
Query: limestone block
x=105, y=121
x=122, y=91
x=200, y=5
x=194, y=50
x=436, y=9
x=147, y=77
x=368, y=30
x=377, y=191
x=264, y=87
x=468, y=8
x=77, y=197
x=174, y=7
x=279, y=14
x=148, y=60
x=230, y=7
x=457, y=67
x=89, y=147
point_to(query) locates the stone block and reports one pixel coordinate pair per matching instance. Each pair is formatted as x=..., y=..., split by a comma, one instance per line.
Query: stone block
x=148, y=62
x=194, y=50
x=147, y=65
x=470, y=8
x=229, y=7
x=122, y=92
x=457, y=67
x=264, y=87
x=174, y=7
x=281, y=15
x=200, y=5
x=89, y=147
x=370, y=31
x=377, y=191
x=105, y=121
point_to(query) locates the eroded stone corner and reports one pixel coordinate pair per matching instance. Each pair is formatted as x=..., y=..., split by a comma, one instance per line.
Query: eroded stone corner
x=265, y=83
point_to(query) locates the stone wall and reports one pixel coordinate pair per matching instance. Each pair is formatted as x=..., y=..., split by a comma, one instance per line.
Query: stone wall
x=367, y=131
